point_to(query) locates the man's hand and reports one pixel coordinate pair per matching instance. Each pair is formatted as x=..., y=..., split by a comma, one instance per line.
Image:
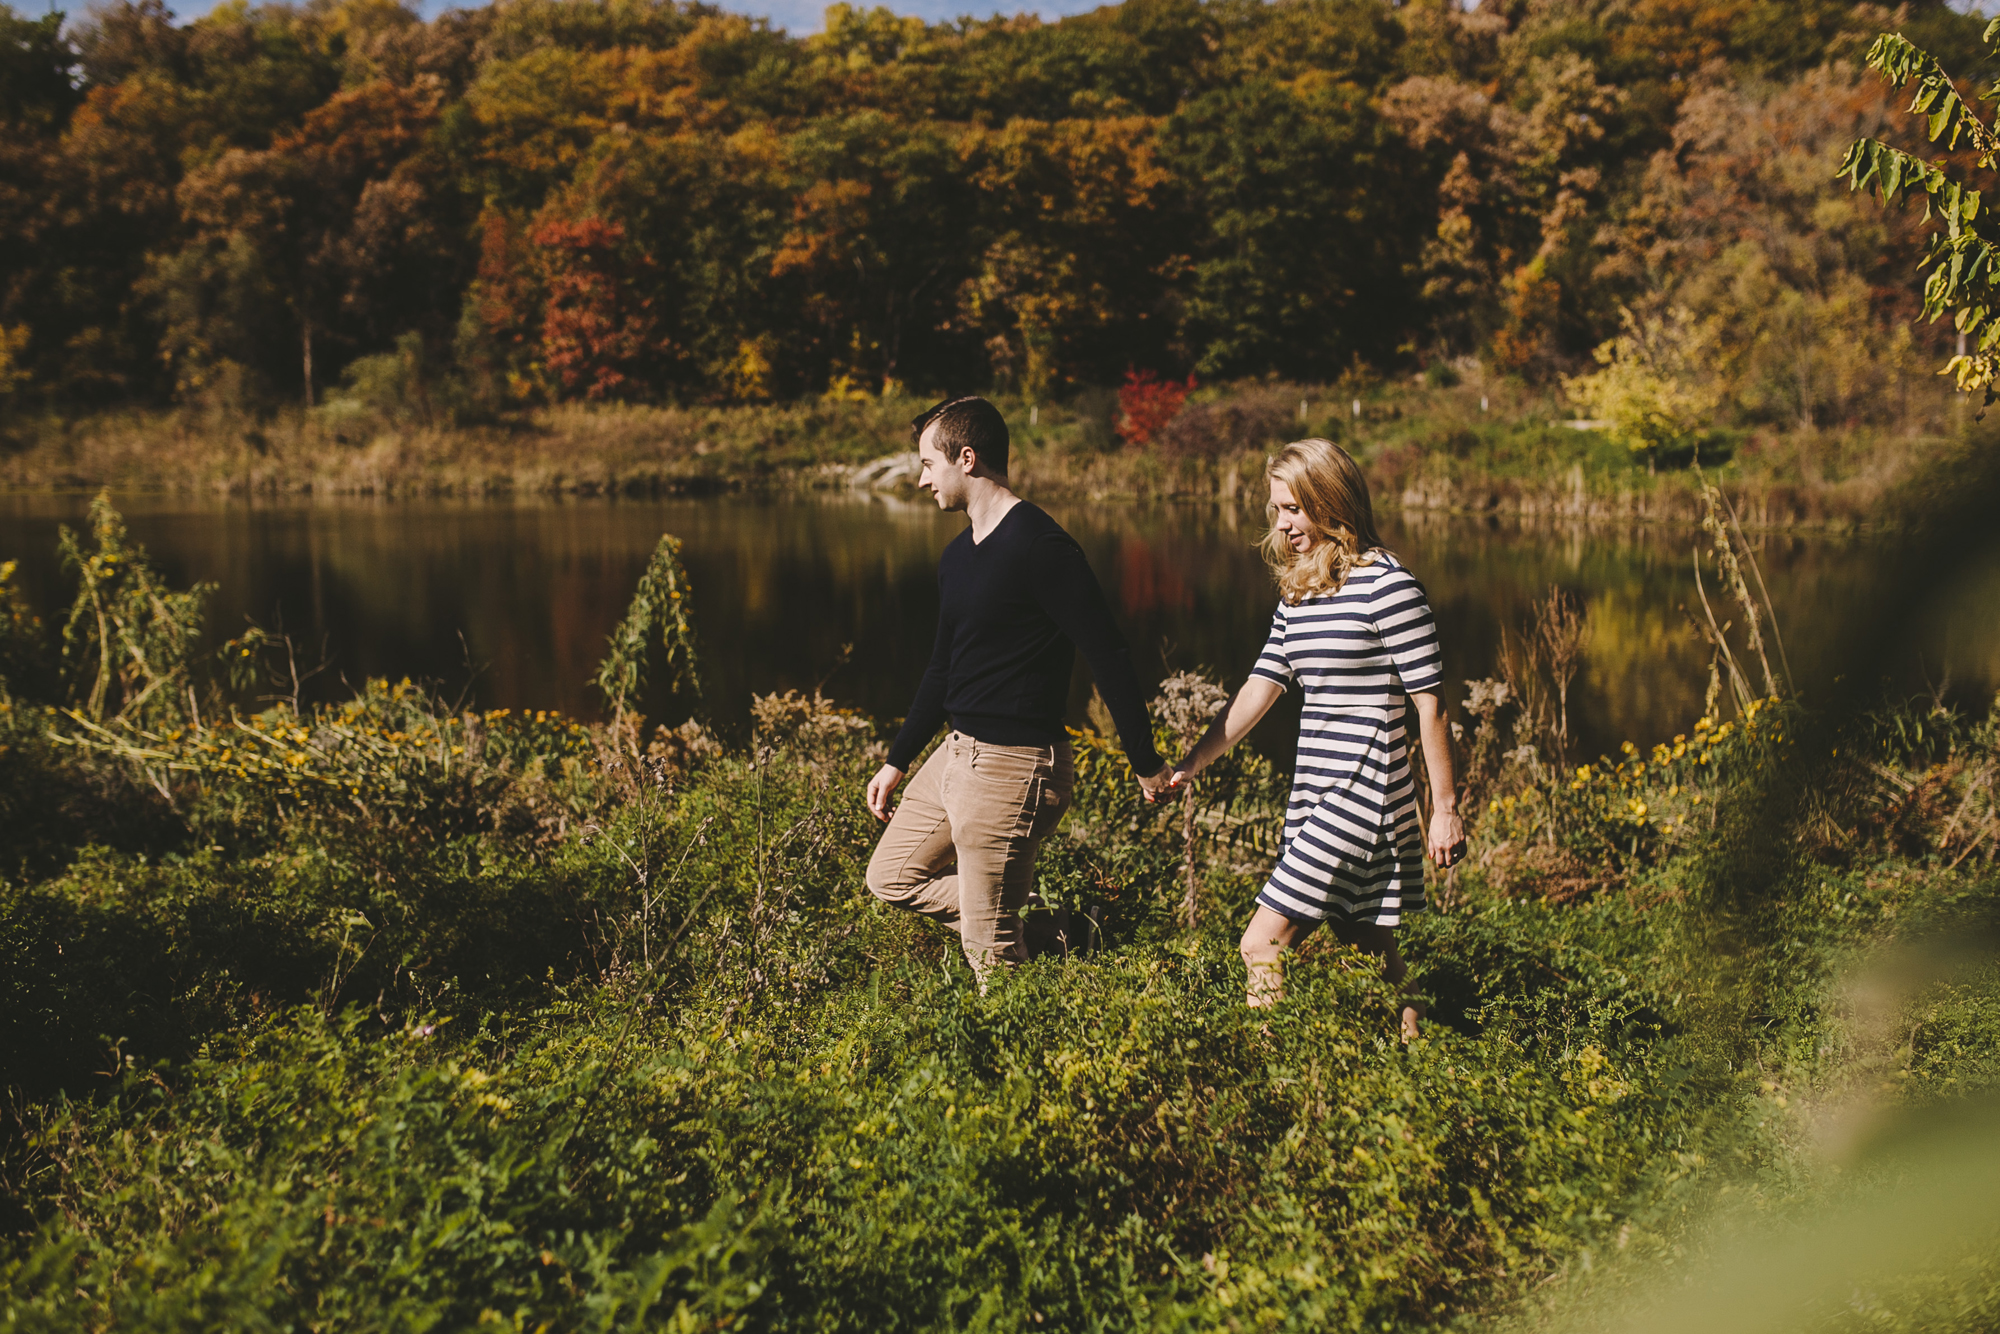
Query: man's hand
x=879, y=787
x=1156, y=785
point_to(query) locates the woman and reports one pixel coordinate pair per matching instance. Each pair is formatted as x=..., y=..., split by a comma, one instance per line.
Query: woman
x=1354, y=630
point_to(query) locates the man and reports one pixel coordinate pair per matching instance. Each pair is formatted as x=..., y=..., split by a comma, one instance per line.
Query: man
x=1017, y=599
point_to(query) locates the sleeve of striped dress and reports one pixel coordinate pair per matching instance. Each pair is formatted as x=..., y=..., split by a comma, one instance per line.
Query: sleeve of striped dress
x=1272, y=664
x=1403, y=620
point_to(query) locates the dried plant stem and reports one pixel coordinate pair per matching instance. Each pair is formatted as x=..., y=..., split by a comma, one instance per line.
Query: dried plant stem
x=1737, y=682
x=1187, y=845
x=1757, y=568
x=648, y=898
x=1731, y=571
x=1973, y=786
x=1559, y=624
x=1971, y=847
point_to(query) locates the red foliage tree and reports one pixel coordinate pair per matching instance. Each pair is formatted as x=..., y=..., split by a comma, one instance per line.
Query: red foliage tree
x=1146, y=403
x=599, y=336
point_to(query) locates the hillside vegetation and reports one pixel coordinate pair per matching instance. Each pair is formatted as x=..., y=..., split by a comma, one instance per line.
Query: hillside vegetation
x=537, y=201
x=1479, y=447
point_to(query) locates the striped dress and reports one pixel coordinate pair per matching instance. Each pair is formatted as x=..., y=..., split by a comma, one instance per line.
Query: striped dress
x=1352, y=849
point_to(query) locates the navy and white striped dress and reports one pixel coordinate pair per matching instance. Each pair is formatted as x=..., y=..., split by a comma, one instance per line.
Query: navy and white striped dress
x=1352, y=849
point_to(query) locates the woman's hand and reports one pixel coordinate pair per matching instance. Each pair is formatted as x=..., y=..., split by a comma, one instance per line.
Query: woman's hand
x=1447, y=838
x=1252, y=700
x=1170, y=779
x=1446, y=844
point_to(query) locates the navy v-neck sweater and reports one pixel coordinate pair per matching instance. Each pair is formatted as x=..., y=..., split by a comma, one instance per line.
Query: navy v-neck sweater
x=1014, y=610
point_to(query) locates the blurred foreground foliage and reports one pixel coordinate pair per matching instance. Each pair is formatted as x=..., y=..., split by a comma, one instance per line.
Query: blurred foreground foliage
x=391, y=1015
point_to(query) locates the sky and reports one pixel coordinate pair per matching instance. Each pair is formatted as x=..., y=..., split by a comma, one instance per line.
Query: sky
x=800, y=17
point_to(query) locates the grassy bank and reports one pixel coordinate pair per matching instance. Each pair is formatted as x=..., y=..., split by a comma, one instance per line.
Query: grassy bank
x=386, y=1015
x=1472, y=447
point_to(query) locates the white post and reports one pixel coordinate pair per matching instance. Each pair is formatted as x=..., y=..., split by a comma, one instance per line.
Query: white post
x=1357, y=409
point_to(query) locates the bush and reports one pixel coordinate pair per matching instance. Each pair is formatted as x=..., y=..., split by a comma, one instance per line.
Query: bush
x=394, y=386
x=1146, y=403
x=1258, y=420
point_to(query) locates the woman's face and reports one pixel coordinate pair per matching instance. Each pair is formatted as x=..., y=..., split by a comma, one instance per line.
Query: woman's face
x=1290, y=519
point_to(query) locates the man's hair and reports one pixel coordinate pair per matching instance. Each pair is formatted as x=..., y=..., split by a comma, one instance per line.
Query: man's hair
x=967, y=422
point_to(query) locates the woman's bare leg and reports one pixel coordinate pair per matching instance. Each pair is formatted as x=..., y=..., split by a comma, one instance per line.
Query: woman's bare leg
x=1380, y=941
x=1267, y=937
x=1270, y=934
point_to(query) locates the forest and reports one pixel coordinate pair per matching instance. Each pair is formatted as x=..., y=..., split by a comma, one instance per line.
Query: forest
x=541, y=201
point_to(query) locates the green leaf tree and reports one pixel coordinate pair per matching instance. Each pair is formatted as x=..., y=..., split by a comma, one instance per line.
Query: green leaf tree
x=1964, y=257
x=661, y=616
x=130, y=642
x=1649, y=389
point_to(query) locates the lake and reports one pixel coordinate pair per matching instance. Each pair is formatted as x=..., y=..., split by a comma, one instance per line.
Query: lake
x=513, y=600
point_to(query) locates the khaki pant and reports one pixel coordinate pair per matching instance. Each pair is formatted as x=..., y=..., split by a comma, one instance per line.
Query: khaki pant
x=961, y=846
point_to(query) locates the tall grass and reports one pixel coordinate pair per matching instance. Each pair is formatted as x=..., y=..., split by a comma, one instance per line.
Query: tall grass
x=383, y=1014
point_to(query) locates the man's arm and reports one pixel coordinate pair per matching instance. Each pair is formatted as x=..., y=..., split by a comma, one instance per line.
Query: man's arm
x=925, y=717
x=927, y=709
x=1069, y=593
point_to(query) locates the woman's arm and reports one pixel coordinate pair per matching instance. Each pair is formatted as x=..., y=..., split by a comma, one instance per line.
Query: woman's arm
x=1447, y=833
x=1251, y=703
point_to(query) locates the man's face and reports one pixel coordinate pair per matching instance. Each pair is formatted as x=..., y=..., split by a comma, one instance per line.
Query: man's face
x=942, y=477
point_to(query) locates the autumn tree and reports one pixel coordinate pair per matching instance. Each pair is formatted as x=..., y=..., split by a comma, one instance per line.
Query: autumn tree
x=882, y=226
x=600, y=337
x=37, y=96
x=1066, y=288
x=728, y=212
x=316, y=223
x=1288, y=259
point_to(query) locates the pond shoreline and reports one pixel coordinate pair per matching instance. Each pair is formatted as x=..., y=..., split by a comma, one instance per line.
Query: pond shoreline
x=1431, y=450
x=1761, y=509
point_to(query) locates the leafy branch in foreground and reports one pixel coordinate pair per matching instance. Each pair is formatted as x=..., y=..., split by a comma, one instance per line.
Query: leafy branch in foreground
x=1964, y=260
x=129, y=645
x=662, y=612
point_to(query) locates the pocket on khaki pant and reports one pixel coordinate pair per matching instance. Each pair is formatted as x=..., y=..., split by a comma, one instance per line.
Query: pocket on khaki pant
x=1050, y=800
x=1028, y=815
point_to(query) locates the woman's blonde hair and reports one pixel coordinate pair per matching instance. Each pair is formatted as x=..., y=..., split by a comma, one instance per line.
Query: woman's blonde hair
x=1333, y=496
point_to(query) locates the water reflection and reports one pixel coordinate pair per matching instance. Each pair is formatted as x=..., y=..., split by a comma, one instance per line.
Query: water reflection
x=526, y=593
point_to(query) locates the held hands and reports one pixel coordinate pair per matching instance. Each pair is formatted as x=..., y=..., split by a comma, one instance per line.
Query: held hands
x=1169, y=780
x=1446, y=844
x=879, y=787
